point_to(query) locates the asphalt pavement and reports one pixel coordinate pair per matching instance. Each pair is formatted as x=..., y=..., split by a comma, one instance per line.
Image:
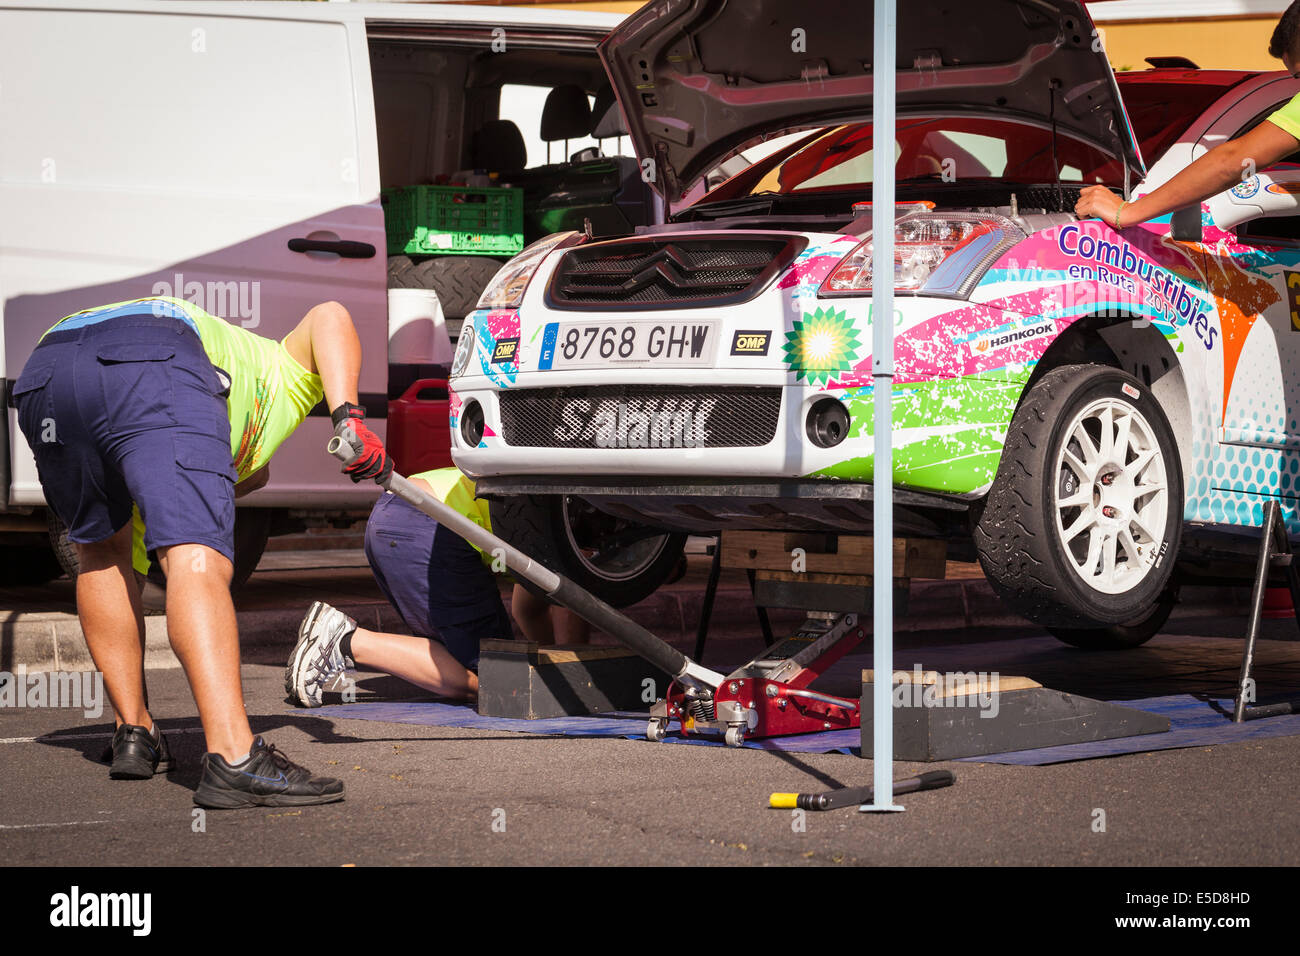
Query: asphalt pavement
x=429, y=795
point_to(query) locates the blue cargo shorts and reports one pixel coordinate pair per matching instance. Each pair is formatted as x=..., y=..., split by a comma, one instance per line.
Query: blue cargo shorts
x=126, y=410
x=435, y=579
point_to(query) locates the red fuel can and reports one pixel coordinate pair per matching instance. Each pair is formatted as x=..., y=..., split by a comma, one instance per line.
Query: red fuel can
x=419, y=438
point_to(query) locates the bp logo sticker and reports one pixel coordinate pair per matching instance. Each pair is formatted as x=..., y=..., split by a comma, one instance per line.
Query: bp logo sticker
x=821, y=345
x=1246, y=188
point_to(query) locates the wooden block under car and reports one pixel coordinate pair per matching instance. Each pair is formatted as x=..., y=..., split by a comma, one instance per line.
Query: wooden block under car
x=535, y=681
x=946, y=716
x=830, y=553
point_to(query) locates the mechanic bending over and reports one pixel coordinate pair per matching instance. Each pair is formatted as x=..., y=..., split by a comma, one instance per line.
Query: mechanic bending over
x=445, y=591
x=157, y=405
x=1221, y=168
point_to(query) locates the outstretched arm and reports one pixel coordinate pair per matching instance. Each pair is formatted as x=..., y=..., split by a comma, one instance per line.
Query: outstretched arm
x=326, y=342
x=1208, y=176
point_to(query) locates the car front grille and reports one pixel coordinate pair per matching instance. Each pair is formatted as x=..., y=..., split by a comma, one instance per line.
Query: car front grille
x=644, y=273
x=640, y=416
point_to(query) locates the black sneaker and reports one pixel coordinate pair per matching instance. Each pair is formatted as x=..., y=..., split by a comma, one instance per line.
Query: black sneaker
x=136, y=754
x=266, y=779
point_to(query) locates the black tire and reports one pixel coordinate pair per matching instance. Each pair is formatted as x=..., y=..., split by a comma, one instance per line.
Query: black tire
x=1053, y=578
x=458, y=280
x=559, y=532
x=252, y=528
x=62, y=548
x=1120, y=637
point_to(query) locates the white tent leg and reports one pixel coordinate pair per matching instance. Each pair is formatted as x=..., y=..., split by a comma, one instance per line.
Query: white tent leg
x=882, y=375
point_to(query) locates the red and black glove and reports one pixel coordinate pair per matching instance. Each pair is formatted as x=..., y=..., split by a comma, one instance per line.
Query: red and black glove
x=371, y=460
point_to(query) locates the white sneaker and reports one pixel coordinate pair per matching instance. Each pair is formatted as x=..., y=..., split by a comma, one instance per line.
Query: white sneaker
x=318, y=656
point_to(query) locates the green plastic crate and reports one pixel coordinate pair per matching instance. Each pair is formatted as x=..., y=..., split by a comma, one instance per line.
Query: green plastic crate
x=453, y=220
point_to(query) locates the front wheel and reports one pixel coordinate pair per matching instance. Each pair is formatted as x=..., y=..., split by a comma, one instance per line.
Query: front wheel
x=617, y=560
x=1082, y=525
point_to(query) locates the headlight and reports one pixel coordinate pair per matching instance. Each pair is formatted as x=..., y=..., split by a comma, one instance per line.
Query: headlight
x=464, y=348
x=942, y=253
x=506, y=290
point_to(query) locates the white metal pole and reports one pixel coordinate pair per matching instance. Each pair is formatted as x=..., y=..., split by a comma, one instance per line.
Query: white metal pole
x=882, y=375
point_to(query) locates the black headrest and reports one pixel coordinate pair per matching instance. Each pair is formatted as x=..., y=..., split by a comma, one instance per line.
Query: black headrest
x=567, y=113
x=608, y=117
x=498, y=147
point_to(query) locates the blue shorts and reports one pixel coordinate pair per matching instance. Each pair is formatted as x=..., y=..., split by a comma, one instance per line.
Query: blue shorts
x=131, y=410
x=437, y=582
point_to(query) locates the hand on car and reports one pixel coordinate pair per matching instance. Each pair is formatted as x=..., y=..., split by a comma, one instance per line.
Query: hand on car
x=371, y=460
x=1098, y=202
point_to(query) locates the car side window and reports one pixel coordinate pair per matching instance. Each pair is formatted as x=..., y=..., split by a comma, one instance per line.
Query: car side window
x=1276, y=229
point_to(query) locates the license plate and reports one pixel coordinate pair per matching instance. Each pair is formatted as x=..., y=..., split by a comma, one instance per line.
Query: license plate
x=654, y=343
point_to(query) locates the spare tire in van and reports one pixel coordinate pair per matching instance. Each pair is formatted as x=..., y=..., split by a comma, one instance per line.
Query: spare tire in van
x=458, y=280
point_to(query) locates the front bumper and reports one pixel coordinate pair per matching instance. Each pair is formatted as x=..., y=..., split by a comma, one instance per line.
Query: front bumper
x=709, y=505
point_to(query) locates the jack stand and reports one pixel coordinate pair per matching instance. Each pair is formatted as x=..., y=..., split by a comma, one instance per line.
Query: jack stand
x=1274, y=551
x=711, y=592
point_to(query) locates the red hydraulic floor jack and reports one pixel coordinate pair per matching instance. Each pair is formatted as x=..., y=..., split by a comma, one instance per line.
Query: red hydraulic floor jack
x=769, y=696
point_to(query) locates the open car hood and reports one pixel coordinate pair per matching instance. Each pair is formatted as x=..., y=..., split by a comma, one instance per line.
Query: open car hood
x=698, y=79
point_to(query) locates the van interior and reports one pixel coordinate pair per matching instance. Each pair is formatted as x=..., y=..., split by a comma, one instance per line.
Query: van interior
x=535, y=113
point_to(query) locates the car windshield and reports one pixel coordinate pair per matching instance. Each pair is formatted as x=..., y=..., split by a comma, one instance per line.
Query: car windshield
x=943, y=149
x=1161, y=107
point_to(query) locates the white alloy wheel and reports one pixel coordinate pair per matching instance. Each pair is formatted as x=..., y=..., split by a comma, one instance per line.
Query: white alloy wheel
x=1112, y=492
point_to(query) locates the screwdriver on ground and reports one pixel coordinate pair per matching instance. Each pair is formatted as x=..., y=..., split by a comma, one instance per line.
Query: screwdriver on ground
x=851, y=796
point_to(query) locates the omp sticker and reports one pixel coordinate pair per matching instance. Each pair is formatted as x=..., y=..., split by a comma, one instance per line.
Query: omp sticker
x=503, y=353
x=750, y=342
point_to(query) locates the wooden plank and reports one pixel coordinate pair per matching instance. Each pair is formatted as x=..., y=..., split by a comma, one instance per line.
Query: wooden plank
x=829, y=554
x=852, y=580
x=959, y=683
x=562, y=654
x=554, y=653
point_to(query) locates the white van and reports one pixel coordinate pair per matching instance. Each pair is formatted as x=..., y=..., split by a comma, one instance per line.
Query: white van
x=233, y=154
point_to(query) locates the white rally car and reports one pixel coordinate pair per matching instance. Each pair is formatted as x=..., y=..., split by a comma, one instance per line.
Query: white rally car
x=1099, y=416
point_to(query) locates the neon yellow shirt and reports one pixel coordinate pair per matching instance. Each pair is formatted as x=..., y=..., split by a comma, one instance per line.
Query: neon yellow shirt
x=1288, y=117
x=456, y=490
x=270, y=393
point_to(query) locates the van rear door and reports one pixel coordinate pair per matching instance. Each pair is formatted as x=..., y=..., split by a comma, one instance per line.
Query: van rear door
x=218, y=154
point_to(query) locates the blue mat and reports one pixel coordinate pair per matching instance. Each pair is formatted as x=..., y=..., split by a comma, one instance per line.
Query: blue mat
x=1193, y=723
x=629, y=725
